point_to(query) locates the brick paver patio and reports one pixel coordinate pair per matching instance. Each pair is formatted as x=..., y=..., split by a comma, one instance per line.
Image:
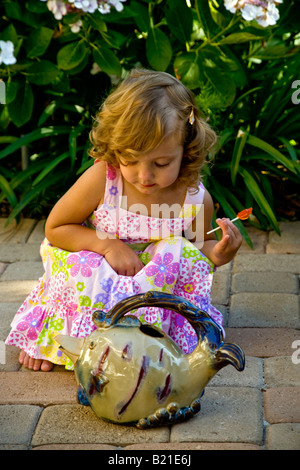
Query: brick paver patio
x=258, y=293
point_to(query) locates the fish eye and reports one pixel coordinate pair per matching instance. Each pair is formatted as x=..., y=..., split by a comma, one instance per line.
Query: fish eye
x=92, y=344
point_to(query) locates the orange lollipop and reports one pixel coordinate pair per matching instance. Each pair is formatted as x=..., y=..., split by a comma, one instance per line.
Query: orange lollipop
x=243, y=215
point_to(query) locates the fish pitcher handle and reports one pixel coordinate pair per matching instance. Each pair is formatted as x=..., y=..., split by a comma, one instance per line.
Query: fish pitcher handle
x=204, y=326
x=201, y=321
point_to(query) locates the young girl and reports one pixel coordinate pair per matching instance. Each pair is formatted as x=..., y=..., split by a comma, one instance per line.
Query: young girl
x=110, y=236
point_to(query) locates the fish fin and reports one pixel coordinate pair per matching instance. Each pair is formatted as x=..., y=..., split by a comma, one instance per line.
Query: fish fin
x=230, y=353
x=81, y=397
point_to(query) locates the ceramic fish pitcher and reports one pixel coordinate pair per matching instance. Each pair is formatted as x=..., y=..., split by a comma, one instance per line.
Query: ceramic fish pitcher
x=133, y=373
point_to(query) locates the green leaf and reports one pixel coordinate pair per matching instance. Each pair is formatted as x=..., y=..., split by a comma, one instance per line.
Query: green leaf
x=140, y=16
x=20, y=110
x=33, y=136
x=11, y=90
x=48, y=111
x=192, y=77
x=237, y=153
x=13, y=10
x=237, y=38
x=187, y=69
x=24, y=175
x=76, y=70
x=115, y=39
x=38, y=42
x=225, y=136
x=257, y=194
x=229, y=63
x=273, y=52
x=158, y=49
x=107, y=60
x=204, y=15
x=73, y=143
x=7, y=190
x=96, y=21
x=10, y=34
x=278, y=156
x=180, y=19
x=290, y=148
x=219, y=87
x=221, y=19
x=50, y=167
x=42, y=72
x=36, y=7
x=34, y=193
x=71, y=55
x=244, y=95
x=7, y=139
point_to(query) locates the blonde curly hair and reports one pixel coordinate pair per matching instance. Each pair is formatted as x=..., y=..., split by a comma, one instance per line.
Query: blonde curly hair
x=144, y=109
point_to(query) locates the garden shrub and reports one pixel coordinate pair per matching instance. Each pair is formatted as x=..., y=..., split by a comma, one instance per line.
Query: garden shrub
x=241, y=62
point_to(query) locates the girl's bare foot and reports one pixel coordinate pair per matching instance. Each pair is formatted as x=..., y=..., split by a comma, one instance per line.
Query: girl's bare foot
x=34, y=364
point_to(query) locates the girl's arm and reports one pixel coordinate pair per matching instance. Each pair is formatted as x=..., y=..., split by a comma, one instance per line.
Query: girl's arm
x=219, y=252
x=63, y=227
x=64, y=230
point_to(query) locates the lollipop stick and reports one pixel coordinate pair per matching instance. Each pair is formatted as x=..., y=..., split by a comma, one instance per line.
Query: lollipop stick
x=243, y=215
x=218, y=228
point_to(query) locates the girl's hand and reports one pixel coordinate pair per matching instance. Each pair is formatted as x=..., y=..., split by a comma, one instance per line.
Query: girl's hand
x=224, y=250
x=123, y=259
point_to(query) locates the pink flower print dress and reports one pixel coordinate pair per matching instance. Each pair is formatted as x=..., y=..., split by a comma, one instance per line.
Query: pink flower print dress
x=75, y=285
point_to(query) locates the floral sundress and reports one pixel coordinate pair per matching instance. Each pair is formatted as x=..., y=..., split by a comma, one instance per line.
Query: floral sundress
x=76, y=284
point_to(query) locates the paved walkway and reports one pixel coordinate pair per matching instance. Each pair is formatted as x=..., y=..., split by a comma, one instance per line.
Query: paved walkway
x=256, y=409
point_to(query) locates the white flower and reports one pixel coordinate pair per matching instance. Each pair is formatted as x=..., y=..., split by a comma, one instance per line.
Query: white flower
x=269, y=16
x=117, y=4
x=75, y=27
x=104, y=8
x=263, y=11
x=58, y=8
x=88, y=6
x=7, y=53
x=231, y=5
x=251, y=12
x=95, y=69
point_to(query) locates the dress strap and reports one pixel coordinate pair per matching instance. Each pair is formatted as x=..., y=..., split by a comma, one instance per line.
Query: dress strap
x=193, y=203
x=195, y=198
x=113, y=186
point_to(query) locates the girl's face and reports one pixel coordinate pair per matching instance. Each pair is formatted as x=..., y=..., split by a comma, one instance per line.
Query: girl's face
x=154, y=170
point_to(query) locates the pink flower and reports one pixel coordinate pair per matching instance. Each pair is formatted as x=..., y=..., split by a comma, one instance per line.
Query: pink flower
x=111, y=172
x=163, y=270
x=32, y=322
x=83, y=262
x=189, y=287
